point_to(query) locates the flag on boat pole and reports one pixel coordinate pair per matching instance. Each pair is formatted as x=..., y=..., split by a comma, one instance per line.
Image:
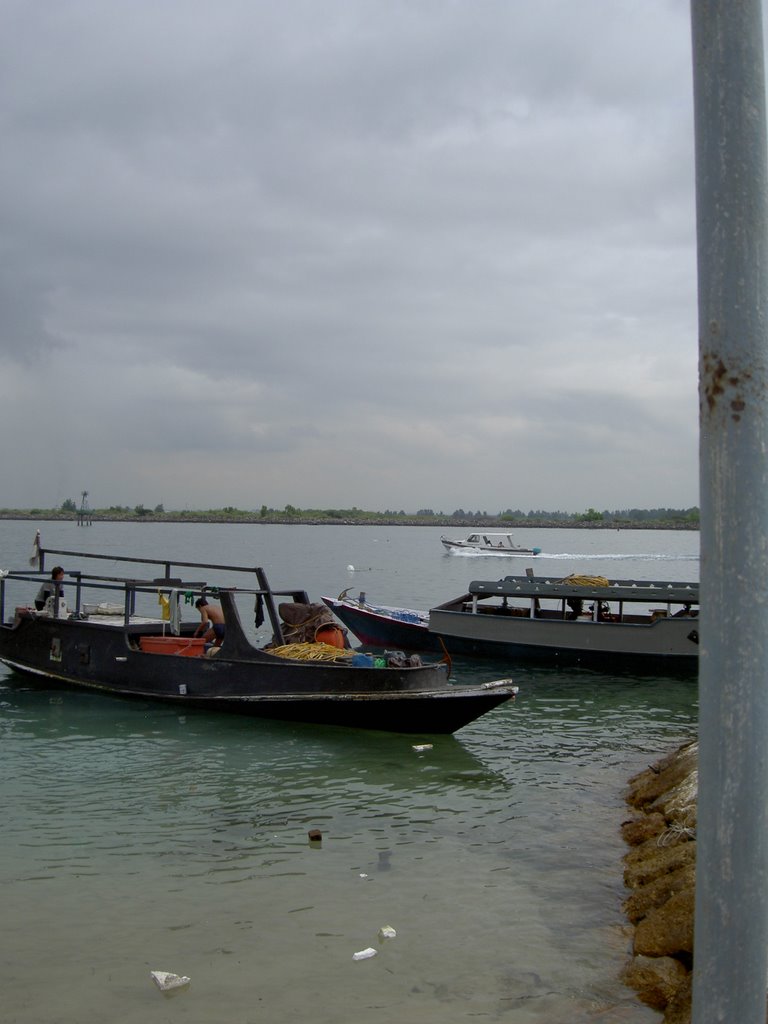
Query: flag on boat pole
x=34, y=558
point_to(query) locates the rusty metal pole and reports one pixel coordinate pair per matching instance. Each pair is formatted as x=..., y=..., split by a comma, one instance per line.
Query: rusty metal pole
x=731, y=930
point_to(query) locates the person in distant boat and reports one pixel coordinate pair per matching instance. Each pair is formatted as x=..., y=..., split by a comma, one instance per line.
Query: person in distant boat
x=211, y=622
x=48, y=589
x=604, y=612
x=686, y=611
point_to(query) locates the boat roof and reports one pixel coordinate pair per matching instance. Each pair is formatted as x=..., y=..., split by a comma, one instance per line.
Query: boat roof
x=616, y=590
x=490, y=533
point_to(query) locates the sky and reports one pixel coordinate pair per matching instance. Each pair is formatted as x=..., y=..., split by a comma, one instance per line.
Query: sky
x=384, y=254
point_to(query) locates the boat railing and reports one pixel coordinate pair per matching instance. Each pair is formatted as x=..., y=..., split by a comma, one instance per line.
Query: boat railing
x=265, y=596
x=674, y=592
x=575, y=609
x=41, y=552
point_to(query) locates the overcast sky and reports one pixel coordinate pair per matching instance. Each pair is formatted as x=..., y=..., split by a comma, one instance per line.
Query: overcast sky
x=378, y=253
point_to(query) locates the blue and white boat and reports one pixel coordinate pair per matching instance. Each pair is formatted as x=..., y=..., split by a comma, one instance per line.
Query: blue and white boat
x=488, y=544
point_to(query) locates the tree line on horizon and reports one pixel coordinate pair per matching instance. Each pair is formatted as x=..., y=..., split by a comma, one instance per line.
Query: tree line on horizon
x=426, y=516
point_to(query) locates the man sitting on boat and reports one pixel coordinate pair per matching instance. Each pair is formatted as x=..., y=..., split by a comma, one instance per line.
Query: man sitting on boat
x=212, y=622
x=48, y=589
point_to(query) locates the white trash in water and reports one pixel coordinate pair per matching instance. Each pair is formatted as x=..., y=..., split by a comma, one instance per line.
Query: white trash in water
x=364, y=954
x=418, y=747
x=350, y=568
x=166, y=981
x=387, y=932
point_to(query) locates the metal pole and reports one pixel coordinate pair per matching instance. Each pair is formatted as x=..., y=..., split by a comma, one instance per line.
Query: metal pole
x=731, y=931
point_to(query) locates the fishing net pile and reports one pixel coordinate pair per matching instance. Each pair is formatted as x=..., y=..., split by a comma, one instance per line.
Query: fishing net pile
x=312, y=651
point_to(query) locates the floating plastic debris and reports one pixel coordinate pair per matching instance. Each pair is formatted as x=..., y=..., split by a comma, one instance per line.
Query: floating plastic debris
x=315, y=835
x=422, y=746
x=363, y=874
x=350, y=568
x=166, y=981
x=387, y=932
x=364, y=954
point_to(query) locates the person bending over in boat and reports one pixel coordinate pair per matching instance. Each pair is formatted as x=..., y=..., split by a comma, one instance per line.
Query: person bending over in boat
x=48, y=589
x=212, y=622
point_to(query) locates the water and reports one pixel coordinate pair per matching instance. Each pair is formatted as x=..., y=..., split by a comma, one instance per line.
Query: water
x=136, y=838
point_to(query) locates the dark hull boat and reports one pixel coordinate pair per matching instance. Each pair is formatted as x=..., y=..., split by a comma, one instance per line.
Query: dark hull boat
x=579, y=620
x=384, y=626
x=297, y=677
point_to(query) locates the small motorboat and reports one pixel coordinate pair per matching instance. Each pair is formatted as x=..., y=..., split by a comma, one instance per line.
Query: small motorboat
x=488, y=544
x=378, y=625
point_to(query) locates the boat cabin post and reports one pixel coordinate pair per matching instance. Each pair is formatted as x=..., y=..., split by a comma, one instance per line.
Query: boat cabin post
x=266, y=592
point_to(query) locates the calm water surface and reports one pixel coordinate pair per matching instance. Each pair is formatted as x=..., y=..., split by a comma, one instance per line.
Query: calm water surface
x=136, y=838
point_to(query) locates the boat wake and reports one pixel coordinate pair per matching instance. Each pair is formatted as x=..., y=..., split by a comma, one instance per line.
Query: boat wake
x=607, y=557
x=489, y=553
x=571, y=556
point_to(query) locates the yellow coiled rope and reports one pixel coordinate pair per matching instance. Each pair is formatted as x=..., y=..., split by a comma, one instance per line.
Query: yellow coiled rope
x=586, y=581
x=311, y=652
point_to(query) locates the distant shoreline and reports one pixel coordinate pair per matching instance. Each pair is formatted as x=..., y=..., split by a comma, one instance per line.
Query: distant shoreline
x=444, y=522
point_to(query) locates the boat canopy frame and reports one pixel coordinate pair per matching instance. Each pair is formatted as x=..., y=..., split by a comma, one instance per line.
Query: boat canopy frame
x=536, y=588
x=131, y=586
x=672, y=592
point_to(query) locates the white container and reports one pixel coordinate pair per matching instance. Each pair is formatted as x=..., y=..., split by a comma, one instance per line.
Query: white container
x=364, y=954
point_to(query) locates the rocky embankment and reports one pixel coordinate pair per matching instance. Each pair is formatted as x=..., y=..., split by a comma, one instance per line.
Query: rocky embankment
x=659, y=869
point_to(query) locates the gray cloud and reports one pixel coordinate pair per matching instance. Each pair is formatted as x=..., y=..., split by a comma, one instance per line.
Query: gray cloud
x=399, y=255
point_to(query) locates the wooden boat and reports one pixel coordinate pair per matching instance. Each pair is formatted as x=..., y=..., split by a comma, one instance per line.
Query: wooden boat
x=594, y=621
x=378, y=625
x=296, y=677
x=489, y=544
